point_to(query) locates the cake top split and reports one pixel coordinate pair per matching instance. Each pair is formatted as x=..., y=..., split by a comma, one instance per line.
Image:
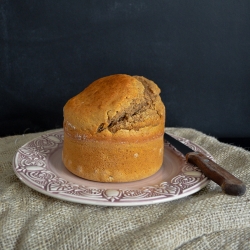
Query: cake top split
x=116, y=106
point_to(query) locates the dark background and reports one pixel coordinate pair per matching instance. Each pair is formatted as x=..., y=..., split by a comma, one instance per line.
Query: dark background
x=198, y=52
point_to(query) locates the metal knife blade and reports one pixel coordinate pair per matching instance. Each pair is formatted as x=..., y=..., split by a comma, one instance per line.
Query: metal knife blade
x=228, y=182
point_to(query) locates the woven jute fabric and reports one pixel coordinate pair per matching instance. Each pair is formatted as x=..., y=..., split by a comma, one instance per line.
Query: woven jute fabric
x=208, y=219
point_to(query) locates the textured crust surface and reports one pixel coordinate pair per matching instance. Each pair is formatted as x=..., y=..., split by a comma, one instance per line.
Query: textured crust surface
x=114, y=130
x=116, y=106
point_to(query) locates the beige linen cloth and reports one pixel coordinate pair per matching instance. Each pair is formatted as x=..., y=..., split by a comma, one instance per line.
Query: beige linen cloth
x=208, y=219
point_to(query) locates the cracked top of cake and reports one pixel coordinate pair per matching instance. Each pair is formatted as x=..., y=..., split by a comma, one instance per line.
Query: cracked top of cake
x=116, y=106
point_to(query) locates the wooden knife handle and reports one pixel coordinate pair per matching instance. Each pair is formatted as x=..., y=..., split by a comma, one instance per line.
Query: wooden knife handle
x=228, y=182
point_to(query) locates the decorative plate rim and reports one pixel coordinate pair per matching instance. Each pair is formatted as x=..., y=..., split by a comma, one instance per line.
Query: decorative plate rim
x=31, y=166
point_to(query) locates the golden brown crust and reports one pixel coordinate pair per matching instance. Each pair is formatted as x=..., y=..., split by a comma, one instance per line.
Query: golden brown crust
x=117, y=106
x=114, y=130
x=108, y=161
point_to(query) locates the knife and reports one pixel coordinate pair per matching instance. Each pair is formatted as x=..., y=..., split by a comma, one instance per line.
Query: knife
x=228, y=182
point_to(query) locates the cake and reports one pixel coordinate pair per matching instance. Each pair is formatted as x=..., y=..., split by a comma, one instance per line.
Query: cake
x=113, y=130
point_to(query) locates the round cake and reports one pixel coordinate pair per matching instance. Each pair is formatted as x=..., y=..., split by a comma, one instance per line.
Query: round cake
x=113, y=130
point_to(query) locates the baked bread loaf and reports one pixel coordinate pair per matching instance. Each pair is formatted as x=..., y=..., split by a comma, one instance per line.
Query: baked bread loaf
x=113, y=130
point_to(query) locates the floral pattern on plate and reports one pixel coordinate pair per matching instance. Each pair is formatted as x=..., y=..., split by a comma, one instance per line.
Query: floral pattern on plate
x=38, y=164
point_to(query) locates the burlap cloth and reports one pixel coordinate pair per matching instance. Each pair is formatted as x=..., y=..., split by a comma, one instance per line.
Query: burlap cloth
x=208, y=219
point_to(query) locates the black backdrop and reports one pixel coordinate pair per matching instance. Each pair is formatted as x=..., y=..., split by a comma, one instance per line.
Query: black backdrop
x=198, y=52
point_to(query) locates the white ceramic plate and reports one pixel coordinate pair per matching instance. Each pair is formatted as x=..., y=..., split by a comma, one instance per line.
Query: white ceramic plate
x=38, y=164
